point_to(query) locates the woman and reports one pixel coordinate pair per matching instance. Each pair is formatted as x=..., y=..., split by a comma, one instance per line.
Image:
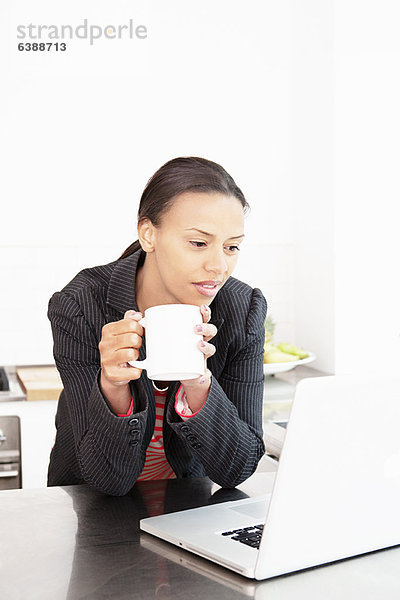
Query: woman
x=114, y=425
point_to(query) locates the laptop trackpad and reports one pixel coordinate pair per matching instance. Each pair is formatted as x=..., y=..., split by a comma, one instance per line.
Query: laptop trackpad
x=257, y=510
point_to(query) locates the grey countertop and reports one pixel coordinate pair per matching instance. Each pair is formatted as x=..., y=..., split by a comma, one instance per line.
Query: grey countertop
x=75, y=543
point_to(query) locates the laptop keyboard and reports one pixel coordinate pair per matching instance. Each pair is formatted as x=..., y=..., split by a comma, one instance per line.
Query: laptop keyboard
x=251, y=536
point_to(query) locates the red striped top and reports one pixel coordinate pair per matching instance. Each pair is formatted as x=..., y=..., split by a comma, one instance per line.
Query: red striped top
x=156, y=465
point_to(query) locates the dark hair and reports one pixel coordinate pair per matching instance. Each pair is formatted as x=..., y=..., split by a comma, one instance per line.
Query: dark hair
x=179, y=175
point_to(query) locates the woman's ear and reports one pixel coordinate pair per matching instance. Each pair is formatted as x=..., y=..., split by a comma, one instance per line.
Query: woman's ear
x=146, y=234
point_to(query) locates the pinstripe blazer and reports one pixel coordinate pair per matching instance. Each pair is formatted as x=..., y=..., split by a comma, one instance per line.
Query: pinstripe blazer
x=94, y=446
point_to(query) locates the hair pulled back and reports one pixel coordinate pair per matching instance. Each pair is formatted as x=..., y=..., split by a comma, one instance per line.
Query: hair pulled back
x=177, y=176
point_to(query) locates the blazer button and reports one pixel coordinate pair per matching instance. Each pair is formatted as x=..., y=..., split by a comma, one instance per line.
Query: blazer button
x=133, y=422
x=185, y=428
x=133, y=442
x=191, y=437
x=134, y=433
x=196, y=446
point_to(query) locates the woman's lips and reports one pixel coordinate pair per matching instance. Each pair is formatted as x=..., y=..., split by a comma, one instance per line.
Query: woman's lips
x=207, y=288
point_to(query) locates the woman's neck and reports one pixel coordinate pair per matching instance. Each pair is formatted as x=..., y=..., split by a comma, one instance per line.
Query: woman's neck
x=139, y=288
x=147, y=290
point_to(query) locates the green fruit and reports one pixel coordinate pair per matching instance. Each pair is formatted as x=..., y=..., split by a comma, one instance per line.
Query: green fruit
x=294, y=350
x=276, y=356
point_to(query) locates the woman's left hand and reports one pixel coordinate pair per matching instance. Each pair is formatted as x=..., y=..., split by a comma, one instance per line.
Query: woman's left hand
x=196, y=390
x=207, y=330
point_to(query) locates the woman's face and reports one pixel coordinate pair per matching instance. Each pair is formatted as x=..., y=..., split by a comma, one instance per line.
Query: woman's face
x=195, y=249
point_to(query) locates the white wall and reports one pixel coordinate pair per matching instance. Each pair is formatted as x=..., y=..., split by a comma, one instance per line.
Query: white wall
x=85, y=129
x=298, y=100
x=345, y=132
x=312, y=178
x=367, y=185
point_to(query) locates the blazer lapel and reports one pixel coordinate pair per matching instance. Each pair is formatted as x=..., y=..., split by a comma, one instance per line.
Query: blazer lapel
x=121, y=290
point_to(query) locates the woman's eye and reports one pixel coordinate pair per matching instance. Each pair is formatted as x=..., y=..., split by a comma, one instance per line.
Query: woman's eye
x=198, y=244
x=233, y=249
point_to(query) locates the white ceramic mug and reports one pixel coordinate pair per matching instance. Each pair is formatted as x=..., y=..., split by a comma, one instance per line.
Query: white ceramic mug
x=172, y=352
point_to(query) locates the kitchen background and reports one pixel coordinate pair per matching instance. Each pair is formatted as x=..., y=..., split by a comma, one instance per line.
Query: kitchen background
x=298, y=100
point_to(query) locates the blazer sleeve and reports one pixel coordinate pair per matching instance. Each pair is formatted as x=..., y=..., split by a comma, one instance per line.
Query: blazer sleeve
x=226, y=434
x=108, y=453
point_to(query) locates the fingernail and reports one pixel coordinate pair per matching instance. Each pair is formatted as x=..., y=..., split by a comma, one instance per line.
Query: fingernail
x=199, y=328
x=203, y=379
x=202, y=344
x=133, y=314
x=205, y=307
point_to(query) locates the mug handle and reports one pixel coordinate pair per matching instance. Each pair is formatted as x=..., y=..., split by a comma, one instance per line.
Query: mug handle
x=139, y=364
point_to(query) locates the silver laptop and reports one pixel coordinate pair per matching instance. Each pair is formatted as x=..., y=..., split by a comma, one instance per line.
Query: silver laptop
x=336, y=493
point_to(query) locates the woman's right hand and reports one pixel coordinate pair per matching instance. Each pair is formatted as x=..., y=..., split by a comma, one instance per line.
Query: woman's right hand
x=120, y=343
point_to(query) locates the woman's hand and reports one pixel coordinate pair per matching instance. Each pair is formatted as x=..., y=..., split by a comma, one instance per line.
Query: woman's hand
x=196, y=390
x=120, y=343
